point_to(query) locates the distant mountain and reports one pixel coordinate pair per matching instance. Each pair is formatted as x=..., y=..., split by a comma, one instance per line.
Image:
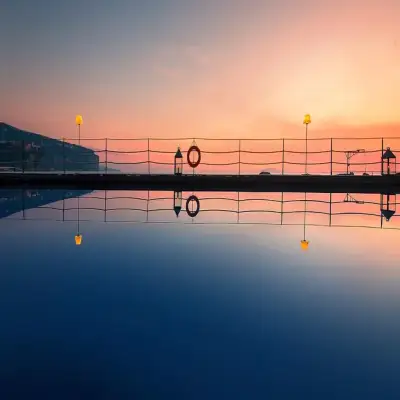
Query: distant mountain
x=24, y=150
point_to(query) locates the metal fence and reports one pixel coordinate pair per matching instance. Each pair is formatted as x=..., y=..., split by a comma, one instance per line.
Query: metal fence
x=218, y=156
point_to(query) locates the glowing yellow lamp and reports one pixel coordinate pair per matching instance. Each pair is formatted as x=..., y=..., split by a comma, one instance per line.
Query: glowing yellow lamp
x=307, y=119
x=304, y=244
x=78, y=240
x=79, y=120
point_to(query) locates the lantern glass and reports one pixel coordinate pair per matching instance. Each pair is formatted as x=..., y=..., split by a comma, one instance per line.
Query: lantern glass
x=79, y=120
x=307, y=119
x=178, y=162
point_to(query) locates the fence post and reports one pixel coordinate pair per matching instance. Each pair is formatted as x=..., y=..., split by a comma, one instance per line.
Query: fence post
x=63, y=155
x=283, y=156
x=23, y=156
x=331, y=156
x=105, y=206
x=147, y=206
x=382, y=159
x=63, y=209
x=23, y=203
x=194, y=142
x=238, y=207
x=148, y=155
x=239, y=154
x=106, y=155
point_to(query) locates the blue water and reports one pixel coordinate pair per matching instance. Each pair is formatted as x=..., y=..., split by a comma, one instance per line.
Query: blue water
x=195, y=312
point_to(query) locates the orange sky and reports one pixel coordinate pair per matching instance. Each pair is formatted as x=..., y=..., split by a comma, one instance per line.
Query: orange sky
x=249, y=70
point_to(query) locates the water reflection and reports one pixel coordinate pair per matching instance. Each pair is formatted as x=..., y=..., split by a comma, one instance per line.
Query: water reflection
x=166, y=207
x=184, y=307
x=308, y=209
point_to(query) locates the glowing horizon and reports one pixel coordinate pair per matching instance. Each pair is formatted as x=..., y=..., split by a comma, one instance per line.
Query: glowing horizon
x=177, y=70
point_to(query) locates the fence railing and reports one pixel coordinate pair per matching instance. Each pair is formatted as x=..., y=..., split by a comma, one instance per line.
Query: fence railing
x=218, y=156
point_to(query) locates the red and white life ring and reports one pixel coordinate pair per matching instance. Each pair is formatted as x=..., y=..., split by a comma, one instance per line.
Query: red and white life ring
x=191, y=163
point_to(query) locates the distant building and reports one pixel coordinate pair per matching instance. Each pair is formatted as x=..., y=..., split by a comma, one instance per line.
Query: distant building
x=22, y=150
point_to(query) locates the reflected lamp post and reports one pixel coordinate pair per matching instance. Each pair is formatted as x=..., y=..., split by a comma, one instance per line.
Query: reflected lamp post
x=306, y=122
x=78, y=240
x=388, y=205
x=304, y=243
x=78, y=236
x=177, y=203
x=178, y=162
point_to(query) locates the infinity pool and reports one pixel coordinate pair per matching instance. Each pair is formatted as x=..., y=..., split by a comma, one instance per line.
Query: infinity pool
x=221, y=306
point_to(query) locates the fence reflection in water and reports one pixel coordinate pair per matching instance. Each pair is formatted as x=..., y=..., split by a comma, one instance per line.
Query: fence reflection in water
x=367, y=210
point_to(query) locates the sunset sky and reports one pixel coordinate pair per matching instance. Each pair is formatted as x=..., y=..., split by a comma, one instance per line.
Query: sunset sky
x=218, y=68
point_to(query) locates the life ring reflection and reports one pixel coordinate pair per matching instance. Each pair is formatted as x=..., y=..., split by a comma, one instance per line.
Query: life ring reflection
x=192, y=213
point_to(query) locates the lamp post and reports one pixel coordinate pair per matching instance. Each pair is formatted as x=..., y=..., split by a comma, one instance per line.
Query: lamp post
x=178, y=162
x=79, y=122
x=385, y=162
x=306, y=121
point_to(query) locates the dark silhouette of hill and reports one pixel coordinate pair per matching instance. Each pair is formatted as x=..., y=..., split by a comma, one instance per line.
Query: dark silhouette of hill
x=25, y=150
x=13, y=201
x=9, y=132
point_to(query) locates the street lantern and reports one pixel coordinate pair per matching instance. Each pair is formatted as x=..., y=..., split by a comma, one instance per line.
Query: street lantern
x=388, y=205
x=79, y=122
x=386, y=166
x=178, y=162
x=177, y=203
x=306, y=121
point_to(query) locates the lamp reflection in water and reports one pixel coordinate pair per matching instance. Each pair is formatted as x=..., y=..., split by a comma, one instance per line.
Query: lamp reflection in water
x=304, y=243
x=177, y=203
x=388, y=205
x=78, y=236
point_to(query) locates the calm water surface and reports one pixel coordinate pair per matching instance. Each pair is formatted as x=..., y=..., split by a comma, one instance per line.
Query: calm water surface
x=194, y=309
